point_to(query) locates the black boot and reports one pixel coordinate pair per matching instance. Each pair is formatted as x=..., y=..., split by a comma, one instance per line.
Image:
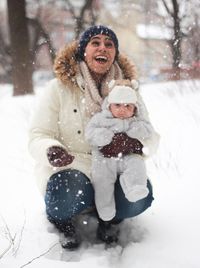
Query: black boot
x=71, y=240
x=107, y=232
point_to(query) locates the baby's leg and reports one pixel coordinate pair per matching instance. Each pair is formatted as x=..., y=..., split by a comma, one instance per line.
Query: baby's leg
x=133, y=178
x=103, y=180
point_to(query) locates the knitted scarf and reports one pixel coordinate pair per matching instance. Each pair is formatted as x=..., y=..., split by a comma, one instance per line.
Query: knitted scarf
x=93, y=96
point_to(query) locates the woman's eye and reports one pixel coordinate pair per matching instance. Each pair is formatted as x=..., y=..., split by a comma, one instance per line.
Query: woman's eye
x=109, y=44
x=95, y=43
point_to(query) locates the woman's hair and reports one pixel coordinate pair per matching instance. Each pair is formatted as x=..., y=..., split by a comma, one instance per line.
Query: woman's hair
x=92, y=31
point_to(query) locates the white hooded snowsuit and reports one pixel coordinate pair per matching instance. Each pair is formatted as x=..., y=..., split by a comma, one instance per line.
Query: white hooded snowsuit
x=130, y=168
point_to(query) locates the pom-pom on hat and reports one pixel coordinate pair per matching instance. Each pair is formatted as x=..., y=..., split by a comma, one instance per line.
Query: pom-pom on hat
x=122, y=92
x=92, y=31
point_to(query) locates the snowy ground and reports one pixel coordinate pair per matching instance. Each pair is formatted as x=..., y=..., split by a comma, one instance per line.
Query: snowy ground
x=166, y=235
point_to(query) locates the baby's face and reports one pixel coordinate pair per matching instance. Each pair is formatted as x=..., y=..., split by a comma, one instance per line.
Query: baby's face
x=123, y=110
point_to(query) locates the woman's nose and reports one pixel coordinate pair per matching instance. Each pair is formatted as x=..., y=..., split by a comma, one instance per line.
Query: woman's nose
x=102, y=46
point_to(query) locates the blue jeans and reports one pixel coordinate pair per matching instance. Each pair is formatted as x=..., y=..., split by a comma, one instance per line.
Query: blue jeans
x=70, y=192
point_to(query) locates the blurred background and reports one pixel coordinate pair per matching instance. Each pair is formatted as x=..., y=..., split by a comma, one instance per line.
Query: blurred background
x=160, y=36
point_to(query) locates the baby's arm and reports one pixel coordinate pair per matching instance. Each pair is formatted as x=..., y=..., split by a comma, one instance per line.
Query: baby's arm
x=143, y=130
x=96, y=133
x=139, y=129
x=139, y=126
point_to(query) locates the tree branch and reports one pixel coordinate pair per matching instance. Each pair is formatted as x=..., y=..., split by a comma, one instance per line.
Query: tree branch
x=9, y=237
x=41, y=255
x=71, y=9
x=20, y=236
x=40, y=32
x=167, y=8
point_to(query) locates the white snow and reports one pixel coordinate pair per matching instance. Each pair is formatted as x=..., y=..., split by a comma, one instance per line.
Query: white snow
x=153, y=32
x=166, y=235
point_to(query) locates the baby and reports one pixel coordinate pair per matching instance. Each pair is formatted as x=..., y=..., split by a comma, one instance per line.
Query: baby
x=121, y=115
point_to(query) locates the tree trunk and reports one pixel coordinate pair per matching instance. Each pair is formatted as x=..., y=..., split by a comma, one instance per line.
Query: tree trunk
x=175, y=43
x=22, y=68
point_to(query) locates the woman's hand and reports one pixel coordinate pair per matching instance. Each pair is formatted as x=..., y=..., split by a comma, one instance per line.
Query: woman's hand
x=122, y=144
x=58, y=156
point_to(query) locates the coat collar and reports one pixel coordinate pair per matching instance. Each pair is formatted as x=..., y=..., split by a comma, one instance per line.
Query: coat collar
x=66, y=67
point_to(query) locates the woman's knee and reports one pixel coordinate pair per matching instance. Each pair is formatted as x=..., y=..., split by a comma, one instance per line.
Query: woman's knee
x=68, y=193
x=126, y=209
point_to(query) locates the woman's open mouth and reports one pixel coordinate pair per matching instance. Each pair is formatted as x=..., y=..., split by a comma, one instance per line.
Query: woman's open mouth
x=101, y=59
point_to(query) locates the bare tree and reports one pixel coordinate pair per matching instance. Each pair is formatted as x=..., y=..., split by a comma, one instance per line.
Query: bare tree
x=193, y=37
x=83, y=13
x=41, y=23
x=5, y=59
x=175, y=42
x=38, y=37
x=36, y=33
x=19, y=39
x=86, y=15
x=14, y=240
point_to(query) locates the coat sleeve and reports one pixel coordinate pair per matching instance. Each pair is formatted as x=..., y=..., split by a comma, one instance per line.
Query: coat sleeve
x=141, y=129
x=43, y=132
x=96, y=133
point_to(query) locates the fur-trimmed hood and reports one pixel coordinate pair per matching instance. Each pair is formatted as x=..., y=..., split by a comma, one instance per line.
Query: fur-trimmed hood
x=66, y=66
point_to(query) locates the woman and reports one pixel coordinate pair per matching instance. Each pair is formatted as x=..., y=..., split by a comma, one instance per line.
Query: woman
x=83, y=70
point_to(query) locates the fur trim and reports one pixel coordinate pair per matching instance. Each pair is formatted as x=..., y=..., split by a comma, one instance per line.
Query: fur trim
x=128, y=68
x=66, y=65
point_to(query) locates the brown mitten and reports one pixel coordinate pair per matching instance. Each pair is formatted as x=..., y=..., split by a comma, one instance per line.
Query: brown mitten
x=122, y=144
x=58, y=156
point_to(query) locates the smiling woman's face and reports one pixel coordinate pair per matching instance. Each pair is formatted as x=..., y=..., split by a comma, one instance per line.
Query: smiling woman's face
x=100, y=53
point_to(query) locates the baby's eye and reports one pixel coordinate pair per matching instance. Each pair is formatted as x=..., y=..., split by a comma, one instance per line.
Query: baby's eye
x=117, y=105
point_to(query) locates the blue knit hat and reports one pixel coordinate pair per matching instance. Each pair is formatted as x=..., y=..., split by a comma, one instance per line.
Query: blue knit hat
x=92, y=31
